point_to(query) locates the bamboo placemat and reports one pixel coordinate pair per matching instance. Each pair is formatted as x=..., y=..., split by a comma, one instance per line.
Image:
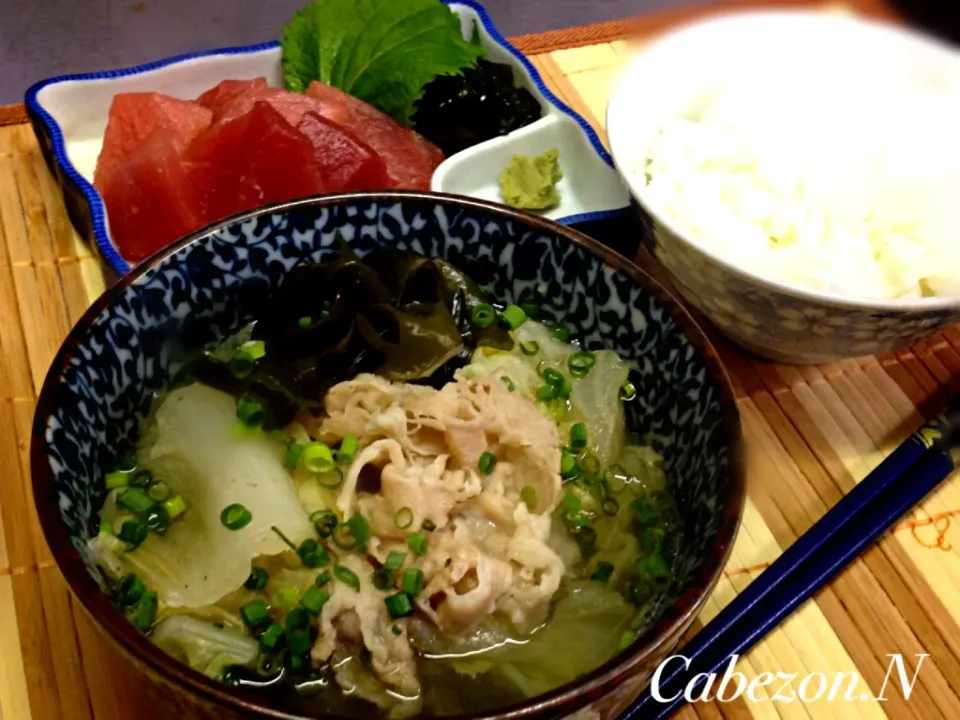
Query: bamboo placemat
x=812, y=433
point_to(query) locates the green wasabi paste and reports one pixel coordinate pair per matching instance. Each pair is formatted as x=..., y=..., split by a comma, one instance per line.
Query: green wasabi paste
x=531, y=183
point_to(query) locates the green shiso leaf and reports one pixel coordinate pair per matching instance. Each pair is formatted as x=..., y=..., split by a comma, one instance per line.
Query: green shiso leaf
x=381, y=51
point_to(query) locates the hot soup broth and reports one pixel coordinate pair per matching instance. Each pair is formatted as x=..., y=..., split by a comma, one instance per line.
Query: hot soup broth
x=392, y=492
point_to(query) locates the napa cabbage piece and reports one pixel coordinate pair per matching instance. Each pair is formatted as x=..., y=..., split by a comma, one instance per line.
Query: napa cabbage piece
x=583, y=633
x=204, y=646
x=193, y=446
x=595, y=398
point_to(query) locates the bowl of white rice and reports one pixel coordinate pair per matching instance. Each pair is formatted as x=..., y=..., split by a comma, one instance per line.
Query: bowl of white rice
x=802, y=171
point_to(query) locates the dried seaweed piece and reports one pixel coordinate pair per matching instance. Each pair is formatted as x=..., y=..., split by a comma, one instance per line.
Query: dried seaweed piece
x=459, y=111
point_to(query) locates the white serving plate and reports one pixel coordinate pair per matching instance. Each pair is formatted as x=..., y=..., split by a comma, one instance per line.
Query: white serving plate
x=69, y=114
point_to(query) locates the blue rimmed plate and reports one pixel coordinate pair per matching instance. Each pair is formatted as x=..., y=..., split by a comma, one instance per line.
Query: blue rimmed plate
x=69, y=115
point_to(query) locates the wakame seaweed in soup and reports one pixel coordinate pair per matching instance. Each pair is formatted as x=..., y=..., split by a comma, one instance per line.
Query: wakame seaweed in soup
x=392, y=494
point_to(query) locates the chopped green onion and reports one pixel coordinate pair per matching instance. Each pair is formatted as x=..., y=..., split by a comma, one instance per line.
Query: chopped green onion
x=130, y=590
x=106, y=527
x=116, y=479
x=257, y=579
x=242, y=363
x=610, y=507
x=251, y=413
x=292, y=456
x=285, y=597
x=159, y=491
x=418, y=543
x=283, y=537
x=403, y=518
x=298, y=643
x=346, y=576
x=581, y=363
x=141, y=479
x=324, y=522
x=651, y=540
x=639, y=590
x=657, y=568
x=146, y=611
x=508, y=383
x=348, y=449
x=399, y=605
x=133, y=532
x=271, y=637
x=568, y=466
x=127, y=462
x=314, y=599
x=269, y=664
x=394, y=560
x=571, y=502
x=560, y=331
x=256, y=348
x=305, y=322
x=359, y=528
x=412, y=581
x=586, y=539
x=255, y=614
x=546, y=393
x=529, y=496
x=330, y=480
x=602, y=572
x=488, y=461
x=318, y=458
x=644, y=511
x=530, y=307
x=552, y=377
x=531, y=347
x=626, y=639
x=396, y=630
x=616, y=478
x=343, y=538
x=157, y=519
x=428, y=525
x=513, y=316
x=483, y=315
x=628, y=391
x=312, y=554
x=323, y=578
x=578, y=436
x=235, y=517
x=135, y=500
x=382, y=579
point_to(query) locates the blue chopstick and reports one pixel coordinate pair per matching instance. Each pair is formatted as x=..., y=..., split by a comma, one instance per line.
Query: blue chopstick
x=901, y=481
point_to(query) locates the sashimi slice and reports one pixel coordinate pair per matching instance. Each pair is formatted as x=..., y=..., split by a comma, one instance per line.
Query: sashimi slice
x=292, y=106
x=227, y=91
x=409, y=157
x=252, y=160
x=150, y=201
x=135, y=116
x=346, y=162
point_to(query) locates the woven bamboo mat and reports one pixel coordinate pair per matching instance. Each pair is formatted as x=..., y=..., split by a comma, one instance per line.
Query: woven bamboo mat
x=812, y=433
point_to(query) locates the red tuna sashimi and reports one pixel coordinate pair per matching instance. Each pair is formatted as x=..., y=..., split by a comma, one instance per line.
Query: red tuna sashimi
x=227, y=91
x=410, y=158
x=237, y=101
x=250, y=161
x=346, y=162
x=135, y=116
x=150, y=201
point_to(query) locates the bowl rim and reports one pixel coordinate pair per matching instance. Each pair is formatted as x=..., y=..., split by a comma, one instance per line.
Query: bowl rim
x=585, y=689
x=618, y=126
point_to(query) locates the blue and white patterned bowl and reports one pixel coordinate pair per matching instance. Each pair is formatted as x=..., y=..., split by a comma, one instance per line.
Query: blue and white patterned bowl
x=209, y=285
x=784, y=322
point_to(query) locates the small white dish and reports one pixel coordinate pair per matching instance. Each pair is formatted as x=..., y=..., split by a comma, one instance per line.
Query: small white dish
x=69, y=115
x=780, y=321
